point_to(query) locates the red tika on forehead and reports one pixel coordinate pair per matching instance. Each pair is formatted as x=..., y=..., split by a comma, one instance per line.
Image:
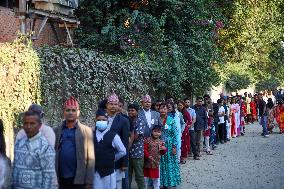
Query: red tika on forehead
x=71, y=102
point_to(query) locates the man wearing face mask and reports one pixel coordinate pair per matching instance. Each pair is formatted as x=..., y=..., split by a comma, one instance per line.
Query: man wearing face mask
x=109, y=149
x=74, y=148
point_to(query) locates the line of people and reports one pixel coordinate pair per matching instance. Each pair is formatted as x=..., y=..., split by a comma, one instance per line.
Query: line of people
x=149, y=144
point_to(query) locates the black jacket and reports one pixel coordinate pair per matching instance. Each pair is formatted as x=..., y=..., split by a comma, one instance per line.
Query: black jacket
x=120, y=126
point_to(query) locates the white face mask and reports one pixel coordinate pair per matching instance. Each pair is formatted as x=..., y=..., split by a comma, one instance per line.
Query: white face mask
x=101, y=125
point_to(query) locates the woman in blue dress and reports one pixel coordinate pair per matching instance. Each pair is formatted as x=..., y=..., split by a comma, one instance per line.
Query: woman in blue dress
x=169, y=167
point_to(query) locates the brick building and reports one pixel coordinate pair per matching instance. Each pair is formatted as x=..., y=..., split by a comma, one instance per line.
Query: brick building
x=51, y=34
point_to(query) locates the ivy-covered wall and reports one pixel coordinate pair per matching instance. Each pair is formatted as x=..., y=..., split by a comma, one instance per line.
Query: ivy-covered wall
x=89, y=76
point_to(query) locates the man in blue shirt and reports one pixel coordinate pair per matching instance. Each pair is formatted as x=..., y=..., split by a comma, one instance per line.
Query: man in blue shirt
x=74, y=150
x=200, y=124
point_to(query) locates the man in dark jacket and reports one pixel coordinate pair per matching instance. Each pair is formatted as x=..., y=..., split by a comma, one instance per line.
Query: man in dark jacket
x=120, y=125
x=200, y=124
x=262, y=110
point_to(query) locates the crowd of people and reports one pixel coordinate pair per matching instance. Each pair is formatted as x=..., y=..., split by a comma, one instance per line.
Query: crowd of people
x=148, y=142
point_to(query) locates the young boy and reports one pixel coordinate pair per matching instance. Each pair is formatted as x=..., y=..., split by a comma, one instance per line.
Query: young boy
x=108, y=149
x=153, y=149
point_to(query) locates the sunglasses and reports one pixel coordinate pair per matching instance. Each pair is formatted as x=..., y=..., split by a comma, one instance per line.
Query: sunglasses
x=70, y=110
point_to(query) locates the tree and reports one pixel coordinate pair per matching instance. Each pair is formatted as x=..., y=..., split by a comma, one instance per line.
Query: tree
x=252, y=37
x=180, y=37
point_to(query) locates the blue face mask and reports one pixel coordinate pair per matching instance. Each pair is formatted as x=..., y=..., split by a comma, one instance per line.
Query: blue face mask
x=101, y=125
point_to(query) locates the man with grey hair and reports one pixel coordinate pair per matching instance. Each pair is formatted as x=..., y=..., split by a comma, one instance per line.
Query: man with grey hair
x=34, y=163
x=46, y=131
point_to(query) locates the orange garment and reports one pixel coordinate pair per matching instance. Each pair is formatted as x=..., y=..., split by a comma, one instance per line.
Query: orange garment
x=281, y=119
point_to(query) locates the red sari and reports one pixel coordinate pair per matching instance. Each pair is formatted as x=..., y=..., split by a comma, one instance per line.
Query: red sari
x=185, y=139
x=281, y=119
x=253, y=110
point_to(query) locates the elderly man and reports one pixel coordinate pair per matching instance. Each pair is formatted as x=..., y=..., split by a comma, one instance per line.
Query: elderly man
x=147, y=117
x=74, y=147
x=34, y=163
x=45, y=130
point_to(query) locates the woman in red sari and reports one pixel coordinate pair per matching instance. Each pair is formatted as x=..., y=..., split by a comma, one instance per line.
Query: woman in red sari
x=233, y=111
x=253, y=110
x=281, y=116
x=185, y=139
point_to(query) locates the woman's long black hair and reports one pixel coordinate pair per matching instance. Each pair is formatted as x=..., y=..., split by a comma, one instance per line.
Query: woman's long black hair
x=173, y=112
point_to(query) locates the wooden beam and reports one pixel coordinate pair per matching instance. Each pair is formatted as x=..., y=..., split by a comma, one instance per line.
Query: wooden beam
x=54, y=16
x=69, y=25
x=69, y=36
x=43, y=23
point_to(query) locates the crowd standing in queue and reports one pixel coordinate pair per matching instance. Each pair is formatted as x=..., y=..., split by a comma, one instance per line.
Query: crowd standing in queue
x=147, y=145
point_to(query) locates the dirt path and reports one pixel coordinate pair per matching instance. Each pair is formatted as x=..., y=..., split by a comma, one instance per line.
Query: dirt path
x=248, y=162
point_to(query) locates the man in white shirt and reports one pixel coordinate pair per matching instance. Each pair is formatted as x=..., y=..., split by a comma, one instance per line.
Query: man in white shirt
x=148, y=117
x=221, y=123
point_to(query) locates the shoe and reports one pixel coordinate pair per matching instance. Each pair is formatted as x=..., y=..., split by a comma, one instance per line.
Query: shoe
x=242, y=134
x=209, y=153
x=196, y=158
x=222, y=142
x=228, y=140
x=198, y=155
x=262, y=134
x=266, y=136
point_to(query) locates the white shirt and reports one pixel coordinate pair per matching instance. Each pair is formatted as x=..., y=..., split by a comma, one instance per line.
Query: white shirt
x=116, y=143
x=148, y=117
x=110, y=121
x=220, y=111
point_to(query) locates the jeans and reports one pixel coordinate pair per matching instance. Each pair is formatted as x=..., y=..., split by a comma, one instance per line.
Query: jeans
x=136, y=165
x=263, y=122
x=221, y=132
x=192, y=142
x=125, y=181
x=198, y=141
x=215, y=132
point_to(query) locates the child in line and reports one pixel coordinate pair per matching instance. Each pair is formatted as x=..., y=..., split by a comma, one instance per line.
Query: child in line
x=153, y=149
x=108, y=149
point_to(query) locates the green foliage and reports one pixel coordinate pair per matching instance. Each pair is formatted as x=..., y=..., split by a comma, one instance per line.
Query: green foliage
x=89, y=76
x=269, y=84
x=237, y=82
x=19, y=84
x=252, y=37
x=180, y=36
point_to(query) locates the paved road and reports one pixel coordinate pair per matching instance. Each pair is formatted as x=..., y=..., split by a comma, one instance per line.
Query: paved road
x=248, y=162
